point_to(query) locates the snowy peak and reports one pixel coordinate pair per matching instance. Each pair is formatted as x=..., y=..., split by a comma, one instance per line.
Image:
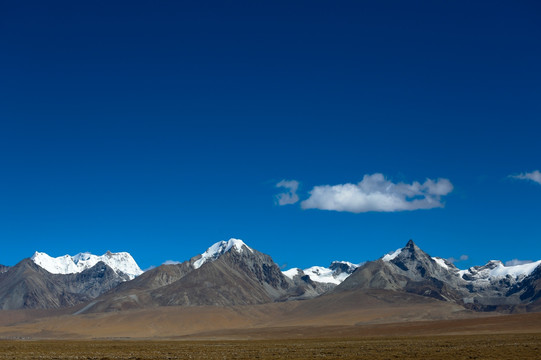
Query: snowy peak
x=408, y=254
x=59, y=265
x=495, y=270
x=220, y=248
x=322, y=274
x=337, y=272
x=121, y=262
x=82, y=257
x=417, y=265
x=412, y=270
x=343, y=267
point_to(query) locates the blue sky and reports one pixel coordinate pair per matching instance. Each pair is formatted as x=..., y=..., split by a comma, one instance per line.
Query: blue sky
x=160, y=128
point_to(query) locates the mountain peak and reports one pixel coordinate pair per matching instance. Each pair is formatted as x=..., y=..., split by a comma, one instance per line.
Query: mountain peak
x=340, y=267
x=409, y=250
x=84, y=256
x=59, y=265
x=66, y=264
x=412, y=252
x=220, y=248
x=336, y=273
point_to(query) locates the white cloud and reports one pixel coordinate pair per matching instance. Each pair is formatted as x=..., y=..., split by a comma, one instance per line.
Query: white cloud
x=171, y=262
x=376, y=193
x=533, y=176
x=290, y=196
x=517, y=262
x=461, y=258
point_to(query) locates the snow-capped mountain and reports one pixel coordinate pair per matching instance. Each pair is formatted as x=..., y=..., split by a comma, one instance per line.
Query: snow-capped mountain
x=121, y=262
x=232, y=273
x=227, y=273
x=27, y=285
x=410, y=269
x=495, y=270
x=220, y=248
x=337, y=272
x=480, y=276
x=492, y=273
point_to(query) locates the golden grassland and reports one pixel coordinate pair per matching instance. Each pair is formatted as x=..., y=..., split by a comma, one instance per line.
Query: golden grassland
x=316, y=330
x=501, y=346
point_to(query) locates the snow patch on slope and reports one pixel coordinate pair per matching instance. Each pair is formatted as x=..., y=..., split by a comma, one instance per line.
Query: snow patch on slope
x=441, y=262
x=120, y=262
x=391, y=256
x=218, y=249
x=291, y=273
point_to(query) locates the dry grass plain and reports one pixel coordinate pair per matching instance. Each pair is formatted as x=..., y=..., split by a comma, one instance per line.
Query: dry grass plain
x=333, y=327
x=339, y=310
x=495, y=337
x=502, y=346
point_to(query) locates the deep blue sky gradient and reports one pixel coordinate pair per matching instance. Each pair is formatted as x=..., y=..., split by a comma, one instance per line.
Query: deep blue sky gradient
x=159, y=128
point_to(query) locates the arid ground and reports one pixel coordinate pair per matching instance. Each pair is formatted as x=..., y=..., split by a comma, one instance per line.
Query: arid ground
x=523, y=346
x=292, y=330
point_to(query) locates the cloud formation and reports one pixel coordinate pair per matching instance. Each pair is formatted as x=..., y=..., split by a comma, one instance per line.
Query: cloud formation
x=533, y=176
x=461, y=258
x=290, y=196
x=515, y=262
x=171, y=262
x=376, y=193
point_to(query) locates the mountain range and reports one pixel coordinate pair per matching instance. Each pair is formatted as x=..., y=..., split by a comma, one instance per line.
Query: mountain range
x=230, y=273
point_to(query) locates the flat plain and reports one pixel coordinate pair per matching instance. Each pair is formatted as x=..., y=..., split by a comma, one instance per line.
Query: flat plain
x=333, y=328
x=502, y=346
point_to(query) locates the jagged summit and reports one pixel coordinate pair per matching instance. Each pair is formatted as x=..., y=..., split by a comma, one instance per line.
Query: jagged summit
x=409, y=251
x=412, y=270
x=121, y=262
x=220, y=248
x=232, y=273
x=409, y=257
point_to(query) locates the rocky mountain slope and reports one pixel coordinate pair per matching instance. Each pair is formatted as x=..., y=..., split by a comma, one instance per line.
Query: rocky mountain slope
x=231, y=273
x=489, y=287
x=228, y=273
x=29, y=286
x=45, y=282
